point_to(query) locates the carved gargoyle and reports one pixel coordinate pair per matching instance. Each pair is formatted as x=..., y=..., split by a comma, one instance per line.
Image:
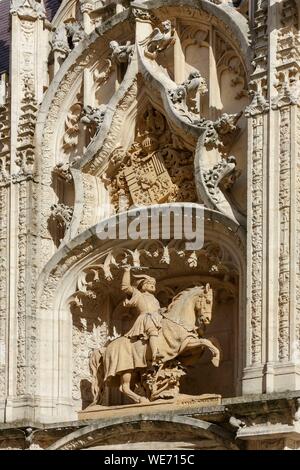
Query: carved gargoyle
x=121, y=54
x=219, y=134
x=62, y=170
x=62, y=214
x=227, y=123
x=75, y=32
x=188, y=93
x=94, y=116
x=60, y=40
x=159, y=40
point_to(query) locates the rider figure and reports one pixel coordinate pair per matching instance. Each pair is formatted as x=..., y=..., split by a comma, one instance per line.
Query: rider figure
x=148, y=323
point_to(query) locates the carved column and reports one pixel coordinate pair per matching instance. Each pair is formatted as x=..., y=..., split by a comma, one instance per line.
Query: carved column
x=273, y=266
x=28, y=77
x=86, y=7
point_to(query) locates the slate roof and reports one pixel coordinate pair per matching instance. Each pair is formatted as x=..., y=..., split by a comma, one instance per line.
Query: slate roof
x=4, y=35
x=51, y=8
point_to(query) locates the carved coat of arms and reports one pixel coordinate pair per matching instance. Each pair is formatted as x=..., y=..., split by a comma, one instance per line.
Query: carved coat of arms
x=151, y=170
x=148, y=180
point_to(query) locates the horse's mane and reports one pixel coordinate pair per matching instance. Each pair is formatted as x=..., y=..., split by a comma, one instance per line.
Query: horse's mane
x=175, y=307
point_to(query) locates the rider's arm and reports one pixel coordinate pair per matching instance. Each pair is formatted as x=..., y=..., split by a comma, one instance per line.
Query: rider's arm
x=126, y=286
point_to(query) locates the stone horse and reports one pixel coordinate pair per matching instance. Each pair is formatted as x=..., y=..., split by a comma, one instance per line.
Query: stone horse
x=183, y=323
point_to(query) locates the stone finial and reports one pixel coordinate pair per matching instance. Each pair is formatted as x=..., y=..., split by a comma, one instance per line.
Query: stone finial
x=28, y=8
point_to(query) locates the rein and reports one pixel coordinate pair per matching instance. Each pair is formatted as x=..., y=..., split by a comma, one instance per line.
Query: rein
x=177, y=323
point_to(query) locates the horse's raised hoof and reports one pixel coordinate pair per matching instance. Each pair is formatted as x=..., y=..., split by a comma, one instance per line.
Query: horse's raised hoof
x=216, y=361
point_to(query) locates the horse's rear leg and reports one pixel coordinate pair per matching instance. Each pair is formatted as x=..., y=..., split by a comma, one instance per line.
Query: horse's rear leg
x=125, y=388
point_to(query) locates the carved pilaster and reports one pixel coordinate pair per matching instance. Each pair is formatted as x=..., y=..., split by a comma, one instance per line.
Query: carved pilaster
x=286, y=105
x=272, y=248
x=257, y=113
x=28, y=77
x=284, y=254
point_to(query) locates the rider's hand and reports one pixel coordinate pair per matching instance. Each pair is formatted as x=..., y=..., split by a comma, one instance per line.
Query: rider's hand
x=126, y=267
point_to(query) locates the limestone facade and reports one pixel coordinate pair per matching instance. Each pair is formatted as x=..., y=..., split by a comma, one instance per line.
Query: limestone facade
x=109, y=105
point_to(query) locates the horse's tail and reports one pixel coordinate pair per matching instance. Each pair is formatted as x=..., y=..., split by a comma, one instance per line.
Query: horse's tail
x=97, y=369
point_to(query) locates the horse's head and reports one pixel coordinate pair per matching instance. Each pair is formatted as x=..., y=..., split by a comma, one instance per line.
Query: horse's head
x=192, y=306
x=204, y=304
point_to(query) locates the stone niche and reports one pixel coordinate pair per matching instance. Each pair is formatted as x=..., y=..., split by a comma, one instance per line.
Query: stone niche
x=98, y=314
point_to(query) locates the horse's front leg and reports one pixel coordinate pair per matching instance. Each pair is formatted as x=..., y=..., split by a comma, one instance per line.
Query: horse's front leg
x=213, y=349
x=195, y=344
x=125, y=379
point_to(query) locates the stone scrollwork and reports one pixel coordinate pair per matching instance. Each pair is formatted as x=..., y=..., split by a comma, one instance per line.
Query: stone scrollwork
x=214, y=183
x=159, y=40
x=145, y=155
x=222, y=176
